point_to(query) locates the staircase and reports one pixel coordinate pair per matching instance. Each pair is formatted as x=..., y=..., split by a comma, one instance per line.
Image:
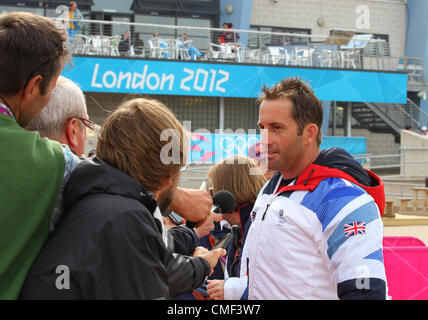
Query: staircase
x=389, y=118
x=373, y=117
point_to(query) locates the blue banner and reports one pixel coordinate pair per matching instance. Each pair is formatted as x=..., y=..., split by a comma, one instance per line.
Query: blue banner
x=211, y=148
x=230, y=80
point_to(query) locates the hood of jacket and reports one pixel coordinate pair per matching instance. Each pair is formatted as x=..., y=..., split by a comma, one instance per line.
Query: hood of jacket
x=338, y=163
x=98, y=177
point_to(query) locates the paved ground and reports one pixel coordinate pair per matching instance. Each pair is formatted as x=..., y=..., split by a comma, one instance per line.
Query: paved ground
x=420, y=232
x=407, y=225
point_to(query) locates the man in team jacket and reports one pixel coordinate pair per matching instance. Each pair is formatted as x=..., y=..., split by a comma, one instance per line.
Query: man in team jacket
x=317, y=229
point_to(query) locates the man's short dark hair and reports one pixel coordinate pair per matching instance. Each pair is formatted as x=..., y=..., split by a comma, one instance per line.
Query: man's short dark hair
x=307, y=108
x=30, y=45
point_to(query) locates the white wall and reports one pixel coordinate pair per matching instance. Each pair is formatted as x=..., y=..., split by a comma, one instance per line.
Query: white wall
x=385, y=17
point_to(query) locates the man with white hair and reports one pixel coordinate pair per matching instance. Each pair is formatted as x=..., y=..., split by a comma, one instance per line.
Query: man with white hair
x=65, y=118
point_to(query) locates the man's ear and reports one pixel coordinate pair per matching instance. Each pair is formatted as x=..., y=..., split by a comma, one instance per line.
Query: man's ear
x=310, y=133
x=33, y=87
x=72, y=128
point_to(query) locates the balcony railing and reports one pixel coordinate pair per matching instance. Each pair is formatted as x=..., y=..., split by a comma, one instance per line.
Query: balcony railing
x=240, y=46
x=344, y=51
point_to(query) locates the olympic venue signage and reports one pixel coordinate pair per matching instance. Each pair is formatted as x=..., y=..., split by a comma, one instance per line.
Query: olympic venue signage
x=209, y=148
x=166, y=77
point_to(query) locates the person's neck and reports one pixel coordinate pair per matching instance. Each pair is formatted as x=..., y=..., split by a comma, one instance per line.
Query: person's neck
x=307, y=160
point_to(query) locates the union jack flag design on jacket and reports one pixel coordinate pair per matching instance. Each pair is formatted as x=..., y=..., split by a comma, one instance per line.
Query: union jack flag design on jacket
x=355, y=228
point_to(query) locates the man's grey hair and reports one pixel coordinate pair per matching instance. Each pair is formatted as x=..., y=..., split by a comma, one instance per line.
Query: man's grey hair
x=67, y=101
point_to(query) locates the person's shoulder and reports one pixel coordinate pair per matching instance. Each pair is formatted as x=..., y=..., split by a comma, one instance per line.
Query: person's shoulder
x=111, y=216
x=335, y=184
x=43, y=149
x=331, y=195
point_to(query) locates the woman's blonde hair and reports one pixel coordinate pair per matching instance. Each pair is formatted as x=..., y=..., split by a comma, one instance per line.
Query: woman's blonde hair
x=133, y=140
x=238, y=175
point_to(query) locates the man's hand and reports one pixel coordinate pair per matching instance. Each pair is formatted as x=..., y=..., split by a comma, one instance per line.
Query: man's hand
x=205, y=227
x=192, y=204
x=215, y=289
x=211, y=256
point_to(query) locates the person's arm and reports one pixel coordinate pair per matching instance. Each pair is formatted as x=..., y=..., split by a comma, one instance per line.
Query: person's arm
x=353, y=232
x=186, y=273
x=193, y=205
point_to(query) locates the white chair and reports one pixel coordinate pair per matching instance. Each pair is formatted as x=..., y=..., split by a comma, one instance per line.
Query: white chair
x=348, y=59
x=170, y=45
x=276, y=55
x=416, y=72
x=137, y=51
x=158, y=48
x=216, y=50
x=326, y=58
x=183, y=49
x=113, y=45
x=234, y=51
x=349, y=53
x=253, y=55
x=80, y=44
x=94, y=45
x=302, y=56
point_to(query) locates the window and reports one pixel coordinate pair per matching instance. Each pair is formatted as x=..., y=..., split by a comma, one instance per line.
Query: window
x=120, y=29
x=262, y=40
x=200, y=37
x=146, y=32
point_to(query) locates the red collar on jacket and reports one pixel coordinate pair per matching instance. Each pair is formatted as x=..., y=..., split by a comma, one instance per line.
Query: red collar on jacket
x=311, y=177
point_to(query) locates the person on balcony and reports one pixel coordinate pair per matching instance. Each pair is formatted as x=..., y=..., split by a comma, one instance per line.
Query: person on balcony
x=125, y=44
x=231, y=36
x=222, y=35
x=424, y=131
x=75, y=15
x=192, y=50
x=159, y=44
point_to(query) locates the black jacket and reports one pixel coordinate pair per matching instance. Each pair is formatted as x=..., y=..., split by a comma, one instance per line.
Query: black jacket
x=110, y=242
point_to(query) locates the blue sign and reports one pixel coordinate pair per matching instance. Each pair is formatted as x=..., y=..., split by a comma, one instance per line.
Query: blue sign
x=230, y=80
x=209, y=148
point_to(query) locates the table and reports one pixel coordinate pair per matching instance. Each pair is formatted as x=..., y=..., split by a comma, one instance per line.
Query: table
x=420, y=200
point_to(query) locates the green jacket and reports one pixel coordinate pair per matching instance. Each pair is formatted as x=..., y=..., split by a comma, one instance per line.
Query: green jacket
x=31, y=175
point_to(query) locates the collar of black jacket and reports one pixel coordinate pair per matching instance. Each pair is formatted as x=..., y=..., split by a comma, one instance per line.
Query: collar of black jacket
x=95, y=176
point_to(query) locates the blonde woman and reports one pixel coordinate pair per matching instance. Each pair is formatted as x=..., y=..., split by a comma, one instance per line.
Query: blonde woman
x=243, y=178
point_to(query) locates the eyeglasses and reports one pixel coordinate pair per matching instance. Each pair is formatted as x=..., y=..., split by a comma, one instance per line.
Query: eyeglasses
x=90, y=125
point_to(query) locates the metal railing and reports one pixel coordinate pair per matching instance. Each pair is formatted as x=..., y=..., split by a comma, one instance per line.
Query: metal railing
x=96, y=37
x=403, y=115
x=380, y=161
x=415, y=116
x=405, y=189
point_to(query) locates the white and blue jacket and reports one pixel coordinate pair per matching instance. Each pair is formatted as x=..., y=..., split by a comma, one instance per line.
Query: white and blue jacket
x=320, y=243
